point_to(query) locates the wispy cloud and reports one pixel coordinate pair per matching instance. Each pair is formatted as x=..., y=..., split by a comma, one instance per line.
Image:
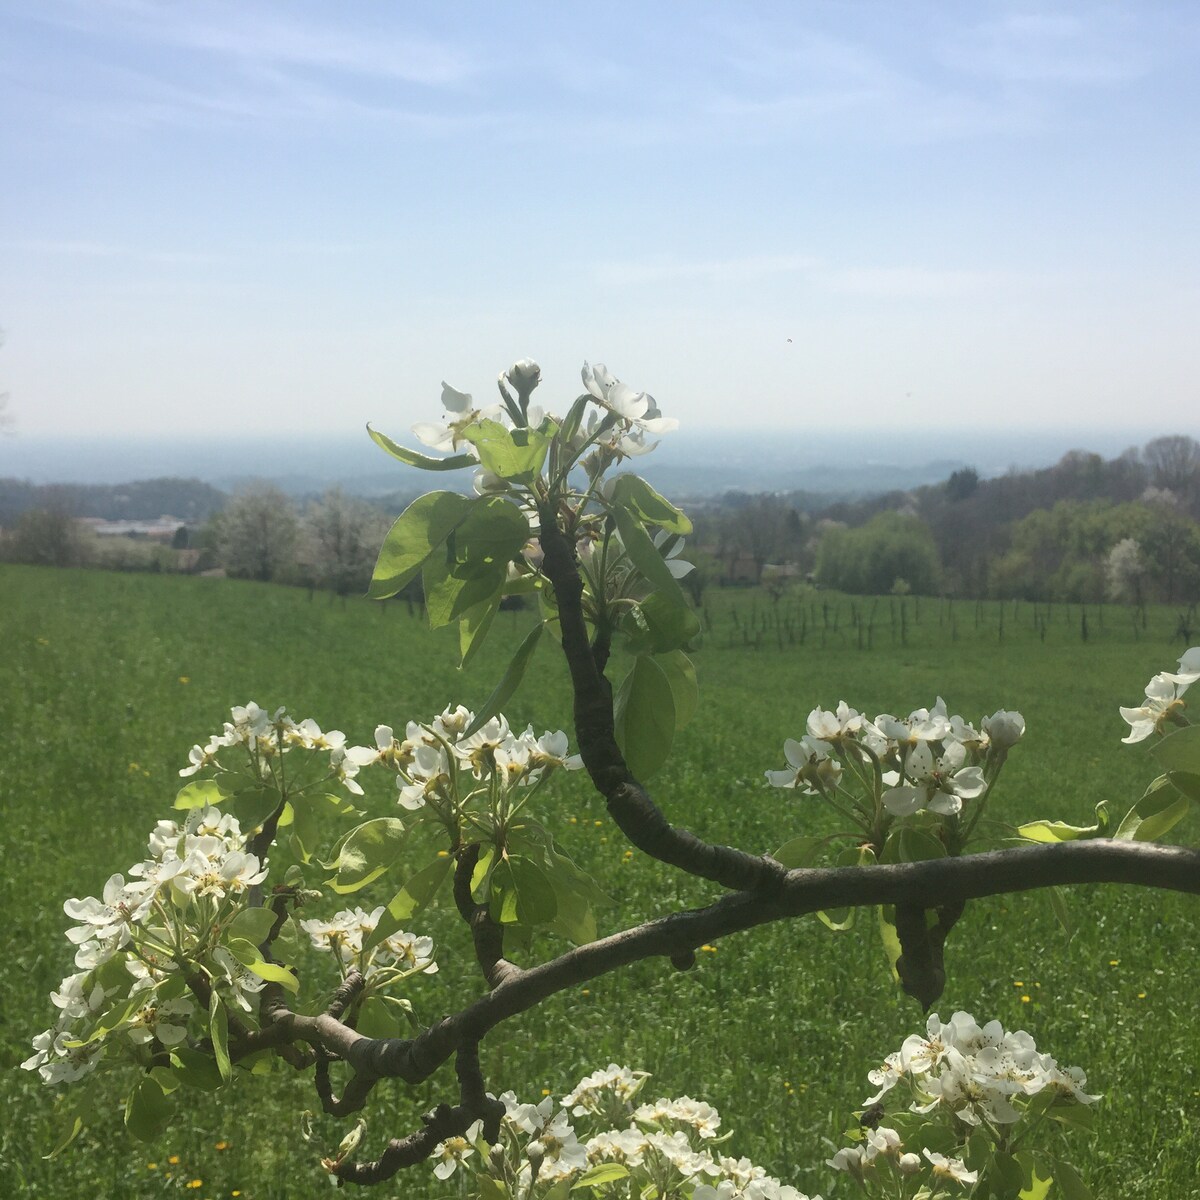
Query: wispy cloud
x=725, y=270
x=241, y=34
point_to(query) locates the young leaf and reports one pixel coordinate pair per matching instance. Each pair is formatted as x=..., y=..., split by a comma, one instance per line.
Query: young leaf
x=410, y=458
x=253, y=924
x=423, y=526
x=365, y=853
x=473, y=627
x=516, y=455
x=635, y=494
x=200, y=793
x=218, y=1030
x=644, y=555
x=659, y=624
x=510, y=682
x=147, y=1110
x=645, y=717
x=1180, y=750
x=681, y=675
x=1154, y=814
x=603, y=1173
x=417, y=893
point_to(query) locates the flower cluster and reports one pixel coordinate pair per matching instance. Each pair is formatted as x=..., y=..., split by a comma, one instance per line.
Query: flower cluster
x=1164, y=702
x=664, y=1148
x=440, y=763
x=872, y=770
x=957, y=1080
x=266, y=738
x=130, y=946
x=347, y=932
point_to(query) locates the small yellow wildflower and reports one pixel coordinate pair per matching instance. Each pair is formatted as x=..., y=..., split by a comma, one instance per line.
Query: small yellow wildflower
x=1025, y=1000
x=597, y=824
x=195, y=1183
x=152, y=1166
x=443, y=854
x=1018, y=983
x=574, y=820
x=1114, y=962
x=221, y=1145
x=173, y=1159
x=585, y=992
x=708, y=949
x=185, y=679
x=545, y=1091
x=1141, y=995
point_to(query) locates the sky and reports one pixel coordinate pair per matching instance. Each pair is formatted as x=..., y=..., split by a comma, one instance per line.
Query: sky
x=270, y=219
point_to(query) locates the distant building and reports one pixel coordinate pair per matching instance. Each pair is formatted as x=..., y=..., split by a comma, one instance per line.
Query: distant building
x=162, y=529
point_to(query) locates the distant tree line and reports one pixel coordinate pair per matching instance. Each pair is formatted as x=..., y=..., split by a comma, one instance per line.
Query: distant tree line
x=1085, y=529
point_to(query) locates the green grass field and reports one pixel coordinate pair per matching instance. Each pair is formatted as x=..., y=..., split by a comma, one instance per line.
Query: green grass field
x=107, y=680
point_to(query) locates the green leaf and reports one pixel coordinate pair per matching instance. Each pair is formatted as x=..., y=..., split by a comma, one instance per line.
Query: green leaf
x=253, y=924
x=474, y=565
x=247, y=954
x=1076, y=1116
x=423, y=526
x=1058, y=904
x=1037, y=1177
x=1186, y=782
x=515, y=455
x=511, y=681
x=491, y=1189
x=365, y=853
x=659, y=624
x=645, y=717
x=1067, y=1181
x=636, y=495
x=1055, y=831
x=376, y=1019
x=1154, y=814
x=200, y=793
x=453, y=589
x=644, y=555
x=798, y=852
x=681, y=675
x=306, y=828
x=840, y=919
x=417, y=893
x=410, y=458
x=218, y=1030
x=195, y=1069
x=1180, y=750
x=253, y=806
x=908, y=844
x=473, y=627
x=521, y=893
x=604, y=1173
x=886, y=915
x=76, y=1105
x=147, y=1110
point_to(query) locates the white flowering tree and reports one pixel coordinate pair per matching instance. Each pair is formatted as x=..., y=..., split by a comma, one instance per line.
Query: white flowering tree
x=202, y=964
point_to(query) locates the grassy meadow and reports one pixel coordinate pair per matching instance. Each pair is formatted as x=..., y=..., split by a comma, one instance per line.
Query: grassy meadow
x=107, y=680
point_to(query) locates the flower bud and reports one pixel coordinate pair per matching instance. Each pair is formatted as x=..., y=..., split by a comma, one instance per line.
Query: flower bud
x=909, y=1164
x=1004, y=728
x=524, y=375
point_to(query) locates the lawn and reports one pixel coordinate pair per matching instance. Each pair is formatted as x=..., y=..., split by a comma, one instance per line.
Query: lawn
x=107, y=680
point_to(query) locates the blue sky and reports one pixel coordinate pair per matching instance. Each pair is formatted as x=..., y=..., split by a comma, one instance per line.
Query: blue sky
x=292, y=218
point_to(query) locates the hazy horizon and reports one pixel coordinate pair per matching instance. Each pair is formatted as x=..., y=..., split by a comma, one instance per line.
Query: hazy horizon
x=272, y=216
x=698, y=460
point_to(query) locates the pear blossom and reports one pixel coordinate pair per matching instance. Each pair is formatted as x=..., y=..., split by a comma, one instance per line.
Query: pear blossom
x=813, y=768
x=1005, y=729
x=463, y=414
x=950, y=1168
x=455, y=1150
x=619, y=398
x=939, y=784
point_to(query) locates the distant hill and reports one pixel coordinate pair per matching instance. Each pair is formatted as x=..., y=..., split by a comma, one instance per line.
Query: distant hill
x=189, y=499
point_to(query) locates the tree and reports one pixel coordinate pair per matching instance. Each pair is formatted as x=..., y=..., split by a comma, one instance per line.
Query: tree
x=339, y=539
x=195, y=967
x=257, y=533
x=1174, y=464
